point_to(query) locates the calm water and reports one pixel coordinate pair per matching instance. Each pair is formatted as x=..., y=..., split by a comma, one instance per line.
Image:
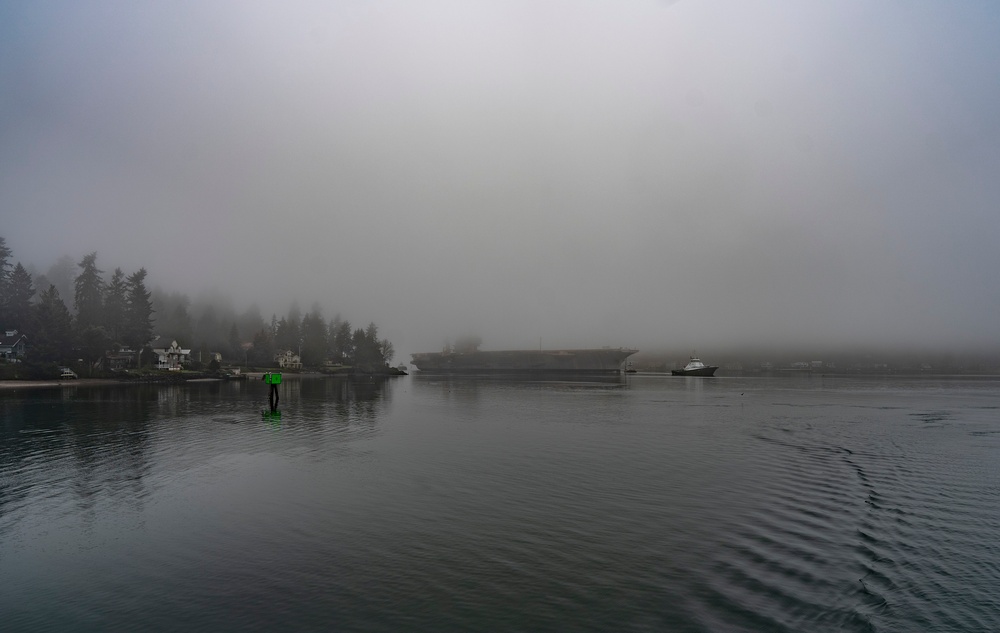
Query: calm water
x=646, y=503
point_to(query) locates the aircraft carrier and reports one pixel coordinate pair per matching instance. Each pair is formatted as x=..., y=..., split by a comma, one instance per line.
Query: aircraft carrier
x=567, y=361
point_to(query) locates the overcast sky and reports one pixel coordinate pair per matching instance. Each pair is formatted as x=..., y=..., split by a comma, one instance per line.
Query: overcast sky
x=653, y=174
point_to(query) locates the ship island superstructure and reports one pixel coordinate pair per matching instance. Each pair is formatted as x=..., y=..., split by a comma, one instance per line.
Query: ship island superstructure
x=605, y=360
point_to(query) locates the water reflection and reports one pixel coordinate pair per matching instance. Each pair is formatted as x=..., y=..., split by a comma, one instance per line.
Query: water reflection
x=465, y=388
x=100, y=444
x=342, y=398
x=590, y=505
x=91, y=441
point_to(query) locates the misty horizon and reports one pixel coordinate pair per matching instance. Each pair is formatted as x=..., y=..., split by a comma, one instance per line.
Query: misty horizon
x=226, y=312
x=662, y=176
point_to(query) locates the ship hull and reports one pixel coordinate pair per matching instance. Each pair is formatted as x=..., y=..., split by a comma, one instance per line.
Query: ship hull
x=569, y=361
x=701, y=371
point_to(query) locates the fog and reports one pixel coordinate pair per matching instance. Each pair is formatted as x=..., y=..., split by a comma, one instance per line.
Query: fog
x=650, y=174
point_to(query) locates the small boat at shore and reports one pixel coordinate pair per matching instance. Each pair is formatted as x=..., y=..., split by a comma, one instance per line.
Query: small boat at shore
x=695, y=368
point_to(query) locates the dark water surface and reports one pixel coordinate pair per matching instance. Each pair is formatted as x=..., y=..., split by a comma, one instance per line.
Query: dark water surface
x=645, y=503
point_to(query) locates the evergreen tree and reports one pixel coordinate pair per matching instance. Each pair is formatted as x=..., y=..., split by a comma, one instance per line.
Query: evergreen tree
x=371, y=333
x=138, y=328
x=60, y=275
x=288, y=336
x=341, y=346
x=284, y=337
x=331, y=335
x=248, y=322
x=314, y=339
x=115, y=303
x=92, y=343
x=173, y=320
x=89, y=290
x=234, y=341
x=214, y=316
x=289, y=332
x=367, y=350
x=209, y=328
x=358, y=348
x=52, y=338
x=262, y=351
x=5, y=254
x=19, y=292
x=182, y=330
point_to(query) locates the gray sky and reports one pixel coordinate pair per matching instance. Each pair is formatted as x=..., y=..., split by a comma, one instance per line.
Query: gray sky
x=652, y=174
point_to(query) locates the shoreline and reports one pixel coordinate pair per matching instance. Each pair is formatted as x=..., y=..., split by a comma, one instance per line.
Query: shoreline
x=14, y=385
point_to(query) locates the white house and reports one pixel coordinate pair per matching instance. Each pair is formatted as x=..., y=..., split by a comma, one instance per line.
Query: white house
x=171, y=357
x=288, y=359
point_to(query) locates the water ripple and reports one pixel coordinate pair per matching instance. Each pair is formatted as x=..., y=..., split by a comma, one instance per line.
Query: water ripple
x=477, y=506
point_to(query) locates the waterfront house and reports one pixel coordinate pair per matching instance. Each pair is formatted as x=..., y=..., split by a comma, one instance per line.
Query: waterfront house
x=121, y=359
x=12, y=346
x=172, y=357
x=287, y=359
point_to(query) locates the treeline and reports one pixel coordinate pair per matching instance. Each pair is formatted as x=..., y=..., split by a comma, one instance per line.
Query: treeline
x=107, y=315
x=119, y=312
x=212, y=324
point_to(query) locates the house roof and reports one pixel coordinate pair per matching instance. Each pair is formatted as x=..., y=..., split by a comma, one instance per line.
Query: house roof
x=165, y=346
x=11, y=341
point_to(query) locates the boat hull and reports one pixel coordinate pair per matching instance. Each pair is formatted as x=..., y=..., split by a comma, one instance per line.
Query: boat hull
x=564, y=361
x=701, y=371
